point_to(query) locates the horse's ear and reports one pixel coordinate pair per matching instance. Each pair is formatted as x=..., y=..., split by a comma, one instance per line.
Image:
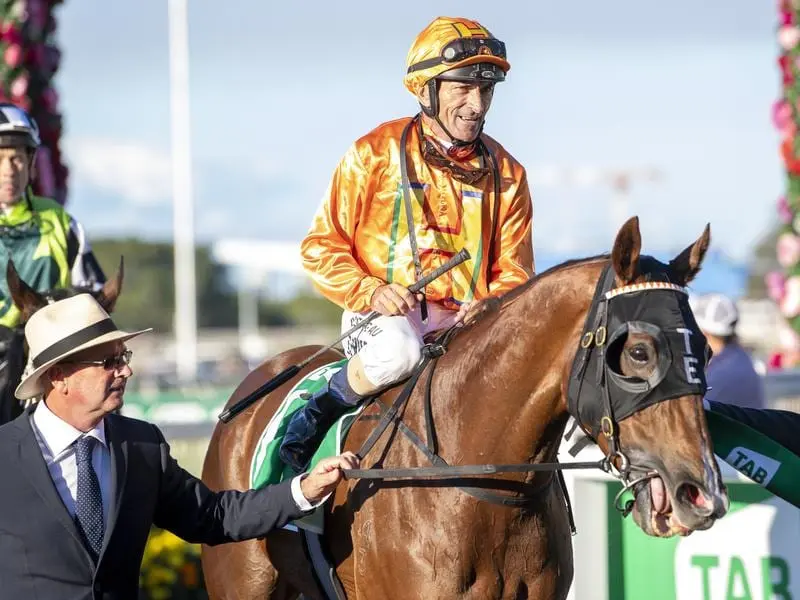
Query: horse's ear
x=112, y=288
x=684, y=267
x=625, y=255
x=26, y=299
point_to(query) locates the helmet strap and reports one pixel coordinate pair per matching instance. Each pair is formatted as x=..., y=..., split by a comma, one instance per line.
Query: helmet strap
x=433, y=97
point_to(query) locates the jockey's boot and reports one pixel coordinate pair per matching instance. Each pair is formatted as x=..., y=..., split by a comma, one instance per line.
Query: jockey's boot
x=309, y=425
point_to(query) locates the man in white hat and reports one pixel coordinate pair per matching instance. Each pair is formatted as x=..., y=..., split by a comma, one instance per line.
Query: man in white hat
x=731, y=376
x=82, y=486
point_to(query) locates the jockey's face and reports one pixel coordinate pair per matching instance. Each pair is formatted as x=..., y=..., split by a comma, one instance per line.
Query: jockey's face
x=463, y=107
x=15, y=173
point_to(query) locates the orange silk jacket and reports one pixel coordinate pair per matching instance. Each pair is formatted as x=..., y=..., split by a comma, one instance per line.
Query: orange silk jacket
x=359, y=241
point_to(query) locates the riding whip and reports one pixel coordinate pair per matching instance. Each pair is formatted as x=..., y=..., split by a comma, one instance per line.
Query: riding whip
x=290, y=372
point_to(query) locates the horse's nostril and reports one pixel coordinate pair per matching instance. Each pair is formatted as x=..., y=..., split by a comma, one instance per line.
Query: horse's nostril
x=692, y=495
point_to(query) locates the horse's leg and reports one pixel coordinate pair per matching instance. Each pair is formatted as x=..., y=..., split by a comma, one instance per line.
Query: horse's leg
x=251, y=569
x=554, y=550
x=242, y=571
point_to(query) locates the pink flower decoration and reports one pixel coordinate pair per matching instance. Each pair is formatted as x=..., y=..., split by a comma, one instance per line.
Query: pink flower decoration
x=788, y=338
x=19, y=86
x=788, y=36
x=13, y=56
x=23, y=103
x=53, y=58
x=36, y=54
x=781, y=114
x=44, y=171
x=790, y=305
x=37, y=13
x=776, y=285
x=50, y=99
x=10, y=34
x=784, y=212
x=787, y=16
x=788, y=250
x=775, y=361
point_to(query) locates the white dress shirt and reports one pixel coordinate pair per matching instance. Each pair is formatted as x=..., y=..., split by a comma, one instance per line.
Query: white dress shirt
x=56, y=440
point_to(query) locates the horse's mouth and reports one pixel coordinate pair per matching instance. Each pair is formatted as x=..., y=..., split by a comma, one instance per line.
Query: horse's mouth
x=653, y=511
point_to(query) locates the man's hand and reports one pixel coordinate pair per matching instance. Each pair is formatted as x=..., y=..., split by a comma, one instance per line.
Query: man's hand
x=393, y=299
x=324, y=478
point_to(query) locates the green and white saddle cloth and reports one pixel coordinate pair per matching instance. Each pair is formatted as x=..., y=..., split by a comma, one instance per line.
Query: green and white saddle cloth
x=266, y=468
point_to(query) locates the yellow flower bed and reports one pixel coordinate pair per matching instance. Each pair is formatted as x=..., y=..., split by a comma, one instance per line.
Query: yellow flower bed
x=171, y=569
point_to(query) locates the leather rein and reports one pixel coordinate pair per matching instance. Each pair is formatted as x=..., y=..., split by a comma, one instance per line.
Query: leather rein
x=473, y=481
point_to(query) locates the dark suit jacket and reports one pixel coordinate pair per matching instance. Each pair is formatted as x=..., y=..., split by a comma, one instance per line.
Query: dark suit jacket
x=41, y=554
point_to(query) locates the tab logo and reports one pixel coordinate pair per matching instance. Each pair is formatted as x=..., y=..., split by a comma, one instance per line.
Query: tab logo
x=756, y=466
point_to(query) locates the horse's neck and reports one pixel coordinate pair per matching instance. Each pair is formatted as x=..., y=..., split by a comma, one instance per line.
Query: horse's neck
x=507, y=384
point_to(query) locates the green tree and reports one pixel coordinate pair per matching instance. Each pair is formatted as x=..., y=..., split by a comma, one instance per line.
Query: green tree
x=148, y=298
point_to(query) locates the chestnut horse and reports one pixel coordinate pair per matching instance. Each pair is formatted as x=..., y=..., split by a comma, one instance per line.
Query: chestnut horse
x=502, y=394
x=14, y=350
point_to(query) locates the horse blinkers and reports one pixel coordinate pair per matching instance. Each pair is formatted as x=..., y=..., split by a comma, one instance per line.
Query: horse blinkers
x=600, y=394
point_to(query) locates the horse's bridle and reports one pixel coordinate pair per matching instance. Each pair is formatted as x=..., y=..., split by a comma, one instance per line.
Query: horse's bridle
x=597, y=398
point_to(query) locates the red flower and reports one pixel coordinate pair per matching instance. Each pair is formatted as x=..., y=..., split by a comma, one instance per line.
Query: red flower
x=786, y=69
x=789, y=158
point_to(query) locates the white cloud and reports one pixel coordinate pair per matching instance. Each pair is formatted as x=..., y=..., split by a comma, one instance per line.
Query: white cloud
x=139, y=173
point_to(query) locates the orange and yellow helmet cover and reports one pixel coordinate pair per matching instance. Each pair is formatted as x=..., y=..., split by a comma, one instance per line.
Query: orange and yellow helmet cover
x=450, y=43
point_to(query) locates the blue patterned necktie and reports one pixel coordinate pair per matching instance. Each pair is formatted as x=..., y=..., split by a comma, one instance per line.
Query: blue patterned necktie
x=89, y=503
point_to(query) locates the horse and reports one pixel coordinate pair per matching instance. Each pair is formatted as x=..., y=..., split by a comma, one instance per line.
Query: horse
x=502, y=393
x=14, y=349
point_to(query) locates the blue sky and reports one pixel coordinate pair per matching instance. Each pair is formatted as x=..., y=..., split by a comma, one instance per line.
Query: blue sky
x=279, y=90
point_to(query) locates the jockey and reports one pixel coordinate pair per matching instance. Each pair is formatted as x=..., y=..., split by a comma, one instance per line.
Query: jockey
x=405, y=198
x=48, y=246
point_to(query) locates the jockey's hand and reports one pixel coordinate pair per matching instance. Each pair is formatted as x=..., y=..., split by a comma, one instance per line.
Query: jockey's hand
x=464, y=311
x=393, y=299
x=324, y=478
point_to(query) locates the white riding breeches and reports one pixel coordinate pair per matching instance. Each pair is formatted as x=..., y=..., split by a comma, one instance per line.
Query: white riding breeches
x=390, y=347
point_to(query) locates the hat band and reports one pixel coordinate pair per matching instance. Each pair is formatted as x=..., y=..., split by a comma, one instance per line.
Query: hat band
x=72, y=341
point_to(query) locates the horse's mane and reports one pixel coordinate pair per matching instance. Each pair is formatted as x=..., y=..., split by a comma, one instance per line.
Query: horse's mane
x=492, y=304
x=567, y=264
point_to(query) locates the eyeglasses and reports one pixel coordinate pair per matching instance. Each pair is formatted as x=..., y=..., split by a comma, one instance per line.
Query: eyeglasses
x=461, y=49
x=116, y=362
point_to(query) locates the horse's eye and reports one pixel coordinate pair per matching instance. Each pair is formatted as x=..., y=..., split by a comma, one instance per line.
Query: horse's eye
x=639, y=354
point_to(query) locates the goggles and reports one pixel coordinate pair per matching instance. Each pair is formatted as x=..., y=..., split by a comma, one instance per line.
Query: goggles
x=462, y=49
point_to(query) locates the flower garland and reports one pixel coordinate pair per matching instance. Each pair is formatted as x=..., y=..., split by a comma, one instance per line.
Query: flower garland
x=30, y=59
x=783, y=286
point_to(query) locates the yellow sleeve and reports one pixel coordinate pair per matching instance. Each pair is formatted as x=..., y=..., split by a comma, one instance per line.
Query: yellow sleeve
x=513, y=262
x=327, y=250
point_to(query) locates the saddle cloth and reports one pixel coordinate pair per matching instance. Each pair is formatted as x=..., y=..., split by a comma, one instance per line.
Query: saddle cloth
x=266, y=467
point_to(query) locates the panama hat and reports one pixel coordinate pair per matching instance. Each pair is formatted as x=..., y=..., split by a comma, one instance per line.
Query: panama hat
x=64, y=328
